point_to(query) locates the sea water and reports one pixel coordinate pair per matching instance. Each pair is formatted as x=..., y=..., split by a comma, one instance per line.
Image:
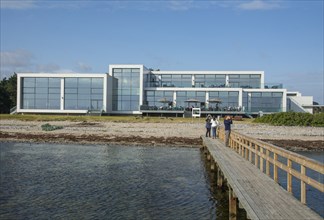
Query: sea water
x=51, y=181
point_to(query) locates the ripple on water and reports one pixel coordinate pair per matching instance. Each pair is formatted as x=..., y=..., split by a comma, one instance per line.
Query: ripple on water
x=95, y=182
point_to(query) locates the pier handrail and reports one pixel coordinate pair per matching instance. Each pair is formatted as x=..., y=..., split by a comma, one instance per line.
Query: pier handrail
x=259, y=153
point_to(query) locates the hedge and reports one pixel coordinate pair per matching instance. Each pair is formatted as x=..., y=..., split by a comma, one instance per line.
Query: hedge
x=293, y=119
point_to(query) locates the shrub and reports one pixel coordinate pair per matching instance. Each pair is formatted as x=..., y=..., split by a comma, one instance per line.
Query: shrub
x=48, y=127
x=293, y=119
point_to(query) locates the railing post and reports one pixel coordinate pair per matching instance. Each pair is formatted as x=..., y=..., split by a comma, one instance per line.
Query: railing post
x=267, y=163
x=302, y=185
x=246, y=152
x=289, y=176
x=250, y=152
x=275, y=168
x=256, y=157
x=261, y=159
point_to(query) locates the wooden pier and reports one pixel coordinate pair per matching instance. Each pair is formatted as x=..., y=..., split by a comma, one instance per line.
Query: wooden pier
x=252, y=189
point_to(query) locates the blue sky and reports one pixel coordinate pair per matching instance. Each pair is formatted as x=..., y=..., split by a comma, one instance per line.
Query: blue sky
x=283, y=38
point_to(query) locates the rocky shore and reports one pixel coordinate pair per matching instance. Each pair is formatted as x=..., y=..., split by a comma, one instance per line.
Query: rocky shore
x=155, y=134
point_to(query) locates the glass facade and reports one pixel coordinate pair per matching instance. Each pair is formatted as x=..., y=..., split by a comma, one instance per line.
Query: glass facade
x=169, y=80
x=203, y=80
x=184, y=99
x=159, y=99
x=229, y=100
x=83, y=93
x=162, y=91
x=41, y=93
x=210, y=80
x=126, y=89
x=263, y=101
x=198, y=99
x=244, y=81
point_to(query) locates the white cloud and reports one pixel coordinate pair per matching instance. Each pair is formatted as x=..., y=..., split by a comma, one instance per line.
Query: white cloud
x=17, y=58
x=14, y=61
x=17, y=4
x=23, y=61
x=259, y=5
x=47, y=68
x=174, y=5
x=180, y=5
x=82, y=67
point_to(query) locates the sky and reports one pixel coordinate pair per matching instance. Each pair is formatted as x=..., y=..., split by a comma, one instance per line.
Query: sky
x=283, y=38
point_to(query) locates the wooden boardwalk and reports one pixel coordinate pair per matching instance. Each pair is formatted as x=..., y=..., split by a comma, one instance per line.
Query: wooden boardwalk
x=257, y=193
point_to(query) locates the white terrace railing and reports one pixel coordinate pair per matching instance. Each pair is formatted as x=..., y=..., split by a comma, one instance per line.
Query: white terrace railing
x=265, y=155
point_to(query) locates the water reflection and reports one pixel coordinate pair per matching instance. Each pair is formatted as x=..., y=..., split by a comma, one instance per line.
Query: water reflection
x=41, y=181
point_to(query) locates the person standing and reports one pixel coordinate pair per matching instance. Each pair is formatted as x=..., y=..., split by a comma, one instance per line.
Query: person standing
x=208, y=126
x=214, y=124
x=227, y=124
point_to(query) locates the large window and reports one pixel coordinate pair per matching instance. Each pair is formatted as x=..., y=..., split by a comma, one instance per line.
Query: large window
x=263, y=101
x=210, y=80
x=126, y=89
x=191, y=99
x=228, y=100
x=244, y=80
x=83, y=93
x=159, y=99
x=41, y=93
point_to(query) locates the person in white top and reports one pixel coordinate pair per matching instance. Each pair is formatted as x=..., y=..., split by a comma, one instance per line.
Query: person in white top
x=214, y=125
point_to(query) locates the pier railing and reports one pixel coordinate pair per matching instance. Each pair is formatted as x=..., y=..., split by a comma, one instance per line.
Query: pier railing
x=269, y=157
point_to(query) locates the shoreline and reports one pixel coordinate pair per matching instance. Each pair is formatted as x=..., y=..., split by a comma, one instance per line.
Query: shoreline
x=183, y=134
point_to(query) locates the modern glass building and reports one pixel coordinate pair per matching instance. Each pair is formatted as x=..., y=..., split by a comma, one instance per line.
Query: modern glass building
x=134, y=89
x=61, y=93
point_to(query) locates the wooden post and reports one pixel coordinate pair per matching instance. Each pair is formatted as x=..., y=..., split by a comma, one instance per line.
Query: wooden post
x=267, y=163
x=250, y=152
x=208, y=156
x=289, y=176
x=275, y=168
x=302, y=185
x=261, y=159
x=212, y=166
x=256, y=158
x=232, y=204
x=242, y=142
x=219, y=178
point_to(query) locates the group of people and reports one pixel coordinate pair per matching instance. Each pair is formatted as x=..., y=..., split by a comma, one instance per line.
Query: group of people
x=212, y=124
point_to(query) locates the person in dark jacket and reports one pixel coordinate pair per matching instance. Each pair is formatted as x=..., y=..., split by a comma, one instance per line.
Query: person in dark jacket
x=208, y=126
x=227, y=124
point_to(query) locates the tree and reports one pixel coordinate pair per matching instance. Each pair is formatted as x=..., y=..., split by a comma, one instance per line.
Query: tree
x=12, y=90
x=8, y=93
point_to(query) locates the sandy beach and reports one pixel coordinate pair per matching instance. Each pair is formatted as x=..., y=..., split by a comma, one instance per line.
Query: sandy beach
x=155, y=134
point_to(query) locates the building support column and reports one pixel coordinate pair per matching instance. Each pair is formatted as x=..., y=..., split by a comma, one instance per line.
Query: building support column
x=62, y=94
